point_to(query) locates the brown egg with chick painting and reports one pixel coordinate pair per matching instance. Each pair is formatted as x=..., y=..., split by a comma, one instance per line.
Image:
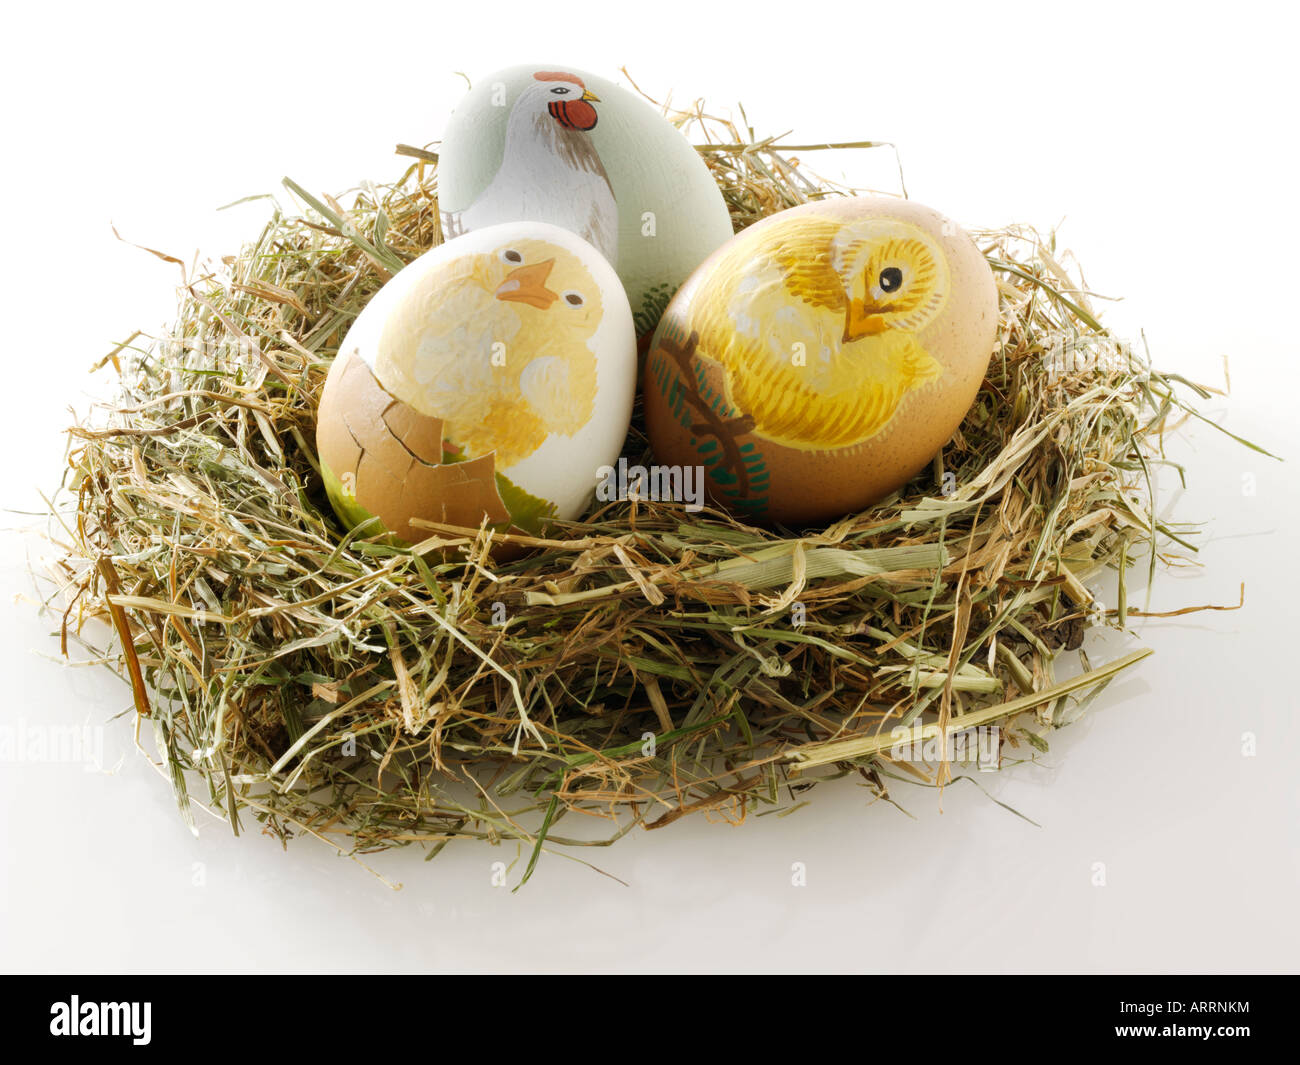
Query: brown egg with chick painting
x=819, y=360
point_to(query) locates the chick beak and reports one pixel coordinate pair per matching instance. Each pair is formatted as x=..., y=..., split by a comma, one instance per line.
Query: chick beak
x=527, y=284
x=862, y=320
x=587, y=94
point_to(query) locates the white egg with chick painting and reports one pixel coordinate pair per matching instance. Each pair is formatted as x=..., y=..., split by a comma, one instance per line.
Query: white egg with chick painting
x=488, y=381
x=555, y=144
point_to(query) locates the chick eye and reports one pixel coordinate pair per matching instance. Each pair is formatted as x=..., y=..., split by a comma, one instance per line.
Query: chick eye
x=574, y=299
x=891, y=279
x=560, y=90
x=511, y=256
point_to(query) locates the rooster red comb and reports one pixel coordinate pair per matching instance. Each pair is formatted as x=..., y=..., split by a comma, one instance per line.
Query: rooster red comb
x=559, y=75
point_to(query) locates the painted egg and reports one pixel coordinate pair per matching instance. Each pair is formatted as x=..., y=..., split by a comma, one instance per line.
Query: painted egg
x=558, y=145
x=490, y=379
x=822, y=357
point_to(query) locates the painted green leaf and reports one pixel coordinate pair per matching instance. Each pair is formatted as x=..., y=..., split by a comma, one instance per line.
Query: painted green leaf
x=528, y=511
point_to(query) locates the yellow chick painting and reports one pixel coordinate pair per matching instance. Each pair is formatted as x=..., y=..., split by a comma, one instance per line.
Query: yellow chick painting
x=817, y=326
x=822, y=357
x=530, y=309
x=487, y=381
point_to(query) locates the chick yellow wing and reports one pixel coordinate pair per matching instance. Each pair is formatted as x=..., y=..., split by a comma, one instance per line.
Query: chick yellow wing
x=550, y=383
x=846, y=402
x=515, y=426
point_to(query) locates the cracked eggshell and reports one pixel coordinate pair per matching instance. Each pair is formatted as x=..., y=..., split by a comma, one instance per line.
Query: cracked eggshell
x=552, y=143
x=488, y=380
x=820, y=359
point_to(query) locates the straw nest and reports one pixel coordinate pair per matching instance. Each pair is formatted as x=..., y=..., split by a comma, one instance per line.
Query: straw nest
x=639, y=666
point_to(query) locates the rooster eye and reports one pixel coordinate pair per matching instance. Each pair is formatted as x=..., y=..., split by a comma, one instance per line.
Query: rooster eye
x=511, y=256
x=891, y=279
x=560, y=90
x=574, y=299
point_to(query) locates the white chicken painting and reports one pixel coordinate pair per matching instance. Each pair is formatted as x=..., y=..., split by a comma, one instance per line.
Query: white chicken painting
x=550, y=170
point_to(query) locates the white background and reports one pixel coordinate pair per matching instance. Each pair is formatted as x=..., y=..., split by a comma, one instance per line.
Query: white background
x=1163, y=135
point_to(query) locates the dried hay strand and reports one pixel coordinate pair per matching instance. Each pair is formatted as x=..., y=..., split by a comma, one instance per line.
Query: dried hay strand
x=638, y=666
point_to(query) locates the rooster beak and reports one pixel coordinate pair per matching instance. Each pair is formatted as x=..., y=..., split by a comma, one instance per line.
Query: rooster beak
x=527, y=284
x=587, y=94
x=862, y=320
